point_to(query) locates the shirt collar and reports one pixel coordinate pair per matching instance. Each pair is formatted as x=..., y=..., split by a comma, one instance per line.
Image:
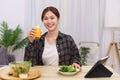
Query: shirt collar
x=60, y=35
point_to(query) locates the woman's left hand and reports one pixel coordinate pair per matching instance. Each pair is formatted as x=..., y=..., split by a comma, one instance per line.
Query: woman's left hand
x=77, y=66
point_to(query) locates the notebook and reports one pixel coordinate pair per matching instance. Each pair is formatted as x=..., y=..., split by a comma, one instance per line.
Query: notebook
x=99, y=70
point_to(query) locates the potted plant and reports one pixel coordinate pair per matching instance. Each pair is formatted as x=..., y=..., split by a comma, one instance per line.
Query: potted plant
x=11, y=39
x=83, y=52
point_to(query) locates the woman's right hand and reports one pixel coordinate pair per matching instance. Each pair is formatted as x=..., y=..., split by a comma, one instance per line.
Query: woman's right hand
x=31, y=35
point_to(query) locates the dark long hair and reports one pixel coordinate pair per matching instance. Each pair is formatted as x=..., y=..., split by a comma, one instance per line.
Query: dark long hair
x=52, y=9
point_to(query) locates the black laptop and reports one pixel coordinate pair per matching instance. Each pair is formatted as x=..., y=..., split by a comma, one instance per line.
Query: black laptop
x=99, y=70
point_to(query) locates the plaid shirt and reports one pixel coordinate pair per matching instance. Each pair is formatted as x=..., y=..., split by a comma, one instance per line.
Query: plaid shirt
x=66, y=47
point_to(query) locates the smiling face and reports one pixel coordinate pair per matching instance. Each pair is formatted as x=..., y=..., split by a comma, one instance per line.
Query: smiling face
x=50, y=17
x=51, y=21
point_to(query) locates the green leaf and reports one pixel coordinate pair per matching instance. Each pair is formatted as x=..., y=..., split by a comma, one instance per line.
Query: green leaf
x=21, y=44
x=11, y=38
x=84, y=51
x=66, y=68
x=16, y=35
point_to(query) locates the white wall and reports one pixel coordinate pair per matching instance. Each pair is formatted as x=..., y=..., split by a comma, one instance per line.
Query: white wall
x=13, y=12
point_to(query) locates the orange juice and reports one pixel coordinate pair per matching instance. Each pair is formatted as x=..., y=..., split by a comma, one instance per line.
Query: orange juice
x=38, y=32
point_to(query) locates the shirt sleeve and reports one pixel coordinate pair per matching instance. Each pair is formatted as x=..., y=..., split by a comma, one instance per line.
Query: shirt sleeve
x=75, y=55
x=30, y=53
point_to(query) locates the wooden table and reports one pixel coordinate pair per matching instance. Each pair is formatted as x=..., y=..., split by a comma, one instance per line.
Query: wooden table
x=50, y=73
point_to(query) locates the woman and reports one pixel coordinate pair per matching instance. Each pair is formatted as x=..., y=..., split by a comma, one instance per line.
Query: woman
x=54, y=47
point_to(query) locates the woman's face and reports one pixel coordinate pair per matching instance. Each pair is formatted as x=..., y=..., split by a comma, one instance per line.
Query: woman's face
x=51, y=21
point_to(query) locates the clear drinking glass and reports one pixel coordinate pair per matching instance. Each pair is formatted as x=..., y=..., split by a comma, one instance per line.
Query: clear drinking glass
x=38, y=32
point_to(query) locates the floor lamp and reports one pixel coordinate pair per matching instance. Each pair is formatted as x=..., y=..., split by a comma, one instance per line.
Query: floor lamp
x=112, y=21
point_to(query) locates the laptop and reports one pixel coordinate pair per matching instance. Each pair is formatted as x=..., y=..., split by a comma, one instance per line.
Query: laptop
x=99, y=70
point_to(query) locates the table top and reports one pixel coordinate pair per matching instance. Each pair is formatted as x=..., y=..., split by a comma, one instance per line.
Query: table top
x=51, y=73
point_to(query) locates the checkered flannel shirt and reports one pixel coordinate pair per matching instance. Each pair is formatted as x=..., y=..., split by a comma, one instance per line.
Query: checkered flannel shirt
x=66, y=47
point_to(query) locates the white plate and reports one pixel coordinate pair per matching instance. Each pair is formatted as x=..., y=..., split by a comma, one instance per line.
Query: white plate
x=68, y=73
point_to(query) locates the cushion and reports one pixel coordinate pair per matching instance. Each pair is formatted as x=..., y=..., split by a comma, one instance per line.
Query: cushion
x=3, y=56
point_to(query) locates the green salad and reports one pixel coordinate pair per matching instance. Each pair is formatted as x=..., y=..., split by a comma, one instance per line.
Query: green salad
x=66, y=68
x=20, y=68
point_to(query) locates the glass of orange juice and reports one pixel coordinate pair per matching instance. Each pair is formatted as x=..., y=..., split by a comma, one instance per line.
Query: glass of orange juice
x=38, y=32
